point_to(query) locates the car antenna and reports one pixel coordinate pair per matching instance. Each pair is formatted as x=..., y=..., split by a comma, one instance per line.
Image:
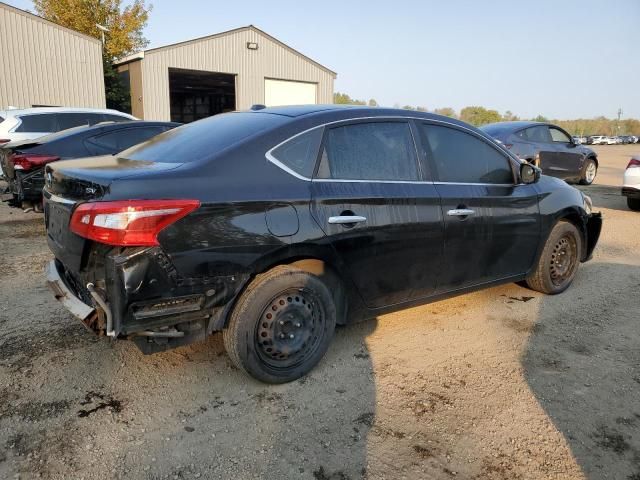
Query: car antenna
x=258, y=106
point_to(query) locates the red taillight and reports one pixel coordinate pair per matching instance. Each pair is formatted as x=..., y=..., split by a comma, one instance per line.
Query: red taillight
x=634, y=162
x=23, y=161
x=128, y=222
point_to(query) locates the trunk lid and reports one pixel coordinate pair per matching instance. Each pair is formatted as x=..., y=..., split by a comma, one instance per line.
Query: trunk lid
x=69, y=182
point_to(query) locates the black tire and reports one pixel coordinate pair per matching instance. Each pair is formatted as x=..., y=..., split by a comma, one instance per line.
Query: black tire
x=588, y=177
x=559, y=261
x=633, y=203
x=281, y=325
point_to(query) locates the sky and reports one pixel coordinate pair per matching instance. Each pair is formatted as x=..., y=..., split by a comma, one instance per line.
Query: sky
x=559, y=58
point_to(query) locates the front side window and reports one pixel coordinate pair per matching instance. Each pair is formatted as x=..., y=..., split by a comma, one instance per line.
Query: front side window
x=559, y=136
x=300, y=153
x=460, y=157
x=369, y=151
x=44, y=123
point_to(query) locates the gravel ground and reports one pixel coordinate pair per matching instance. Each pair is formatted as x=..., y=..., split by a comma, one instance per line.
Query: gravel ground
x=499, y=384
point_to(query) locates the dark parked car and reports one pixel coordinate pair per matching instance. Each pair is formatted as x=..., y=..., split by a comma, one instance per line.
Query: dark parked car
x=549, y=147
x=23, y=161
x=275, y=225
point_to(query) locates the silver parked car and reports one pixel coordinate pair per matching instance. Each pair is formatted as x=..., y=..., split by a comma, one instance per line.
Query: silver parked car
x=30, y=123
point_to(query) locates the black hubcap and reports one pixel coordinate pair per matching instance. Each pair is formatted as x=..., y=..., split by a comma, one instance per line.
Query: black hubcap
x=290, y=328
x=563, y=260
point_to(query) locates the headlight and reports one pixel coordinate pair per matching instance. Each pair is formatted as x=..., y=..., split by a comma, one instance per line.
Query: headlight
x=588, y=204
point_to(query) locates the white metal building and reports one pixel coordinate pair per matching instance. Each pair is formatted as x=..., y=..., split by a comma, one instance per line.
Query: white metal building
x=227, y=71
x=45, y=64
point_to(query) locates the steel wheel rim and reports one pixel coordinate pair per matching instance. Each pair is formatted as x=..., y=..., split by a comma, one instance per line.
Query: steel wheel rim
x=290, y=329
x=591, y=172
x=564, y=259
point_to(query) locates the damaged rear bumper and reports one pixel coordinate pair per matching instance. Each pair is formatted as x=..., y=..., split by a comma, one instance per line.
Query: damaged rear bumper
x=83, y=312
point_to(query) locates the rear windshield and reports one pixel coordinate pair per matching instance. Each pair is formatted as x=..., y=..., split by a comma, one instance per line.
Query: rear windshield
x=201, y=139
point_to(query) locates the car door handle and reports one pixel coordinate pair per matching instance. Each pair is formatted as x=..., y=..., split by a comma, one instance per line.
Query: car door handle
x=345, y=219
x=460, y=212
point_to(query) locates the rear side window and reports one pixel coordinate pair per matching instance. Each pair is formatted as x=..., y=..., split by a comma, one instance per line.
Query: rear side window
x=538, y=134
x=44, y=123
x=70, y=120
x=460, y=157
x=204, y=138
x=369, y=151
x=300, y=153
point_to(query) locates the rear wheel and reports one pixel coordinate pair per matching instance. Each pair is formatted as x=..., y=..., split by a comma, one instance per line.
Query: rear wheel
x=633, y=203
x=281, y=325
x=590, y=171
x=559, y=261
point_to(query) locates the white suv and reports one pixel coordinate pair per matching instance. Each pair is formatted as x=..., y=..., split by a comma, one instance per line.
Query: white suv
x=631, y=183
x=29, y=123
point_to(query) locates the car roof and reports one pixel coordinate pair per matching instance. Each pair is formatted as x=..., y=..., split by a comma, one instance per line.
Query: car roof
x=16, y=112
x=345, y=112
x=515, y=125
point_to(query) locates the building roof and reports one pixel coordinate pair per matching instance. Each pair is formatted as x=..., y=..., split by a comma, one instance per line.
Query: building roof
x=38, y=18
x=140, y=55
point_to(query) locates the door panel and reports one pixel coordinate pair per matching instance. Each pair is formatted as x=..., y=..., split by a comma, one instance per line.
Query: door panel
x=466, y=237
x=394, y=255
x=491, y=224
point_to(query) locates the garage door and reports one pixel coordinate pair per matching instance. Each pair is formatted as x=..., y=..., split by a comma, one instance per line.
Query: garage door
x=285, y=92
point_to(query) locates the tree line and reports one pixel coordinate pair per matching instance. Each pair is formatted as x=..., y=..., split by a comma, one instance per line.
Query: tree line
x=477, y=115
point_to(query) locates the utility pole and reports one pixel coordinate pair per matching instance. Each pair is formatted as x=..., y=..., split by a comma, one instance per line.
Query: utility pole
x=102, y=29
x=618, y=121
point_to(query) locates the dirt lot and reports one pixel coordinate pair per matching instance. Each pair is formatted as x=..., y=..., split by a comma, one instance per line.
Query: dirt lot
x=499, y=384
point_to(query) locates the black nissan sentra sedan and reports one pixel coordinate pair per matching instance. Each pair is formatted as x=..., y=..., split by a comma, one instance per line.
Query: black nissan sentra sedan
x=275, y=225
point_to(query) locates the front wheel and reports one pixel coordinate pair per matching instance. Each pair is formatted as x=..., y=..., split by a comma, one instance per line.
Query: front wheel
x=281, y=325
x=590, y=171
x=633, y=203
x=559, y=261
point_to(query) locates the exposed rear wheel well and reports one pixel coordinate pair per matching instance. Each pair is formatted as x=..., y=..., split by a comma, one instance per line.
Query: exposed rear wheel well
x=331, y=278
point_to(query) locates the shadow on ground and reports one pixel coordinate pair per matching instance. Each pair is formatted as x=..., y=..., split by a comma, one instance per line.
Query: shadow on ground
x=583, y=366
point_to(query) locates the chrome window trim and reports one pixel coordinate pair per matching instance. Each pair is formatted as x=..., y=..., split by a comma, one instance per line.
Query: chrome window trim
x=344, y=180
x=270, y=158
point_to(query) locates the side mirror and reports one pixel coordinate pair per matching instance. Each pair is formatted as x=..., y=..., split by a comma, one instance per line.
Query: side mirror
x=529, y=173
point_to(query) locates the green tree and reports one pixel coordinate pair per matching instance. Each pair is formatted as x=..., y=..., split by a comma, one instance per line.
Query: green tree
x=421, y=109
x=508, y=116
x=125, y=27
x=540, y=118
x=373, y=103
x=117, y=94
x=479, y=115
x=344, y=99
x=446, y=111
x=408, y=107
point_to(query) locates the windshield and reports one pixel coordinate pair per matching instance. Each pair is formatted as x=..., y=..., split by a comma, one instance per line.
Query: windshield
x=204, y=138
